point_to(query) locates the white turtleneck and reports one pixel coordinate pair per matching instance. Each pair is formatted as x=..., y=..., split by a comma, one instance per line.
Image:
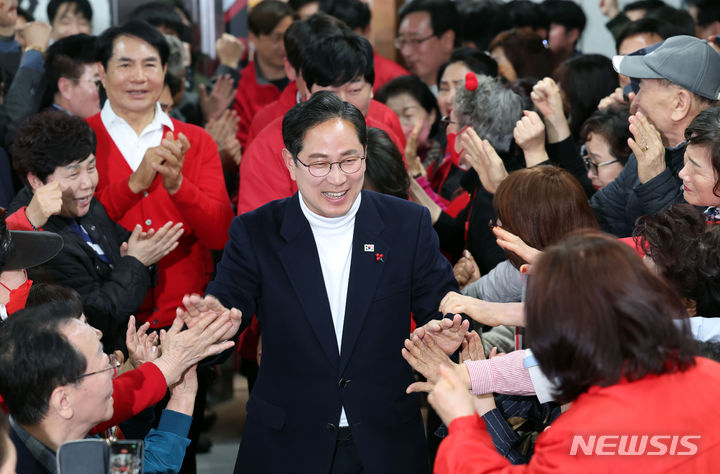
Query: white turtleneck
x=333, y=238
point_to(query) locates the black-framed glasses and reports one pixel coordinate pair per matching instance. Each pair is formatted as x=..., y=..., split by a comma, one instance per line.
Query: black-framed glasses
x=414, y=43
x=113, y=365
x=321, y=169
x=445, y=122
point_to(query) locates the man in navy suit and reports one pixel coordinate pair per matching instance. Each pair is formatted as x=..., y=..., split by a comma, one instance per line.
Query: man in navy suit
x=333, y=274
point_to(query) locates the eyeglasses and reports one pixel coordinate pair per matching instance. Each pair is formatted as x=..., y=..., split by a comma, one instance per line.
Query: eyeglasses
x=589, y=165
x=414, y=43
x=114, y=364
x=322, y=168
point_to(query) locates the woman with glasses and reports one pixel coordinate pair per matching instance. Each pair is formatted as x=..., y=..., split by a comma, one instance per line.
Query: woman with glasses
x=605, y=150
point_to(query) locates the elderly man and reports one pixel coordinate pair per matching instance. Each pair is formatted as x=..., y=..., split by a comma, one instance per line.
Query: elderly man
x=153, y=169
x=58, y=384
x=426, y=37
x=351, y=266
x=677, y=81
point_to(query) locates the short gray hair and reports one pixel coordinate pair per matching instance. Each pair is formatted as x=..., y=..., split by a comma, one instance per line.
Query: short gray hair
x=492, y=110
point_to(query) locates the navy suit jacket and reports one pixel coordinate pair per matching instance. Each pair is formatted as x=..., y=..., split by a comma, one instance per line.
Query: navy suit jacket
x=271, y=267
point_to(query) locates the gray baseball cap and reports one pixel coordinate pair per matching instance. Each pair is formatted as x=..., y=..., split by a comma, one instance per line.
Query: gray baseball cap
x=683, y=60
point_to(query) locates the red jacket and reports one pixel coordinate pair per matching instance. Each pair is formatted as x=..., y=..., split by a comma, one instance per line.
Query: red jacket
x=201, y=204
x=250, y=97
x=286, y=101
x=385, y=115
x=671, y=412
x=386, y=71
x=263, y=174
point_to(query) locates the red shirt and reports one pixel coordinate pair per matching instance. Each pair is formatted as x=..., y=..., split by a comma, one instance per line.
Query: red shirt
x=201, y=204
x=386, y=71
x=263, y=174
x=250, y=97
x=658, y=407
x=278, y=108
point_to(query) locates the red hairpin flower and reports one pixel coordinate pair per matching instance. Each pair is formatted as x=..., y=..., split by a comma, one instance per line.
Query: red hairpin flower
x=379, y=257
x=471, y=82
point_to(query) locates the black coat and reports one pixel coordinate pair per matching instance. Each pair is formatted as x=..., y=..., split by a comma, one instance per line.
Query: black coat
x=110, y=292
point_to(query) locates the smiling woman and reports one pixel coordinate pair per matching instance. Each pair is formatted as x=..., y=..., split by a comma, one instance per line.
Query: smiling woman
x=701, y=186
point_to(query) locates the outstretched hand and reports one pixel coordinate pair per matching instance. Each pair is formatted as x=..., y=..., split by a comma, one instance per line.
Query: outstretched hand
x=426, y=357
x=447, y=333
x=450, y=398
x=195, y=306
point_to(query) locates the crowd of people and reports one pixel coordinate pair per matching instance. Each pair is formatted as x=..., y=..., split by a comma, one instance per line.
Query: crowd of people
x=524, y=232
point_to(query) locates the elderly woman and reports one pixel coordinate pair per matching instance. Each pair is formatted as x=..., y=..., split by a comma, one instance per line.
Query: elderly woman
x=701, y=173
x=622, y=361
x=481, y=122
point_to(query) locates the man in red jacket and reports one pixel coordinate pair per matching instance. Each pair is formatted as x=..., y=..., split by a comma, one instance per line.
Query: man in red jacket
x=341, y=63
x=153, y=169
x=301, y=34
x=263, y=79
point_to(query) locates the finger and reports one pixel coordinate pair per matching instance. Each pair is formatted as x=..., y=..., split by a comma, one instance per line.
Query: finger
x=217, y=348
x=175, y=327
x=184, y=141
x=493, y=352
x=420, y=387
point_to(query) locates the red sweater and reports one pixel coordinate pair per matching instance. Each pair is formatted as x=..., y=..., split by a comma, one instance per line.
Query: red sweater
x=250, y=97
x=663, y=409
x=286, y=101
x=201, y=204
x=386, y=71
x=263, y=174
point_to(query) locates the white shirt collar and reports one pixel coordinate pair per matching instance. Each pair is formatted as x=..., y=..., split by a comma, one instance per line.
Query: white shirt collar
x=160, y=120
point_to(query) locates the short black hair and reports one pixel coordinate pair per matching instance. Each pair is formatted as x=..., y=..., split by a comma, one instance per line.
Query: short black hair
x=525, y=13
x=160, y=14
x=678, y=18
x=81, y=6
x=338, y=59
x=265, y=16
x=304, y=32
x=48, y=140
x=708, y=12
x=566, y=13
x=36, y=358
x=443, y=14
x=384, y=167
x=138, y=29
x=67, y=58
x=414, y=86
x=319, y=108
x=298, y=4
x=645, y=25
x=43, y=293
x=480, y=22
x=21, y=12
x=477, y=61
x=354, y=13
x=643, y=5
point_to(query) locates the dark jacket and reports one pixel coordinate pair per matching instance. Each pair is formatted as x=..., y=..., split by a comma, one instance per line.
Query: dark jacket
x=618, y=205
x=270, y=267
x=110, y=292
x=481, y=242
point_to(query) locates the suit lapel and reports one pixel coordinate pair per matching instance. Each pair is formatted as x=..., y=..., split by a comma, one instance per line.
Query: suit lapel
x=365, y=272
x=300, y=259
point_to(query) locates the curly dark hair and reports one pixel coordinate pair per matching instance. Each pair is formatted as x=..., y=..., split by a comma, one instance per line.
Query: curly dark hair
x=684, y=250
x=48, y=140
x=612, y=125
